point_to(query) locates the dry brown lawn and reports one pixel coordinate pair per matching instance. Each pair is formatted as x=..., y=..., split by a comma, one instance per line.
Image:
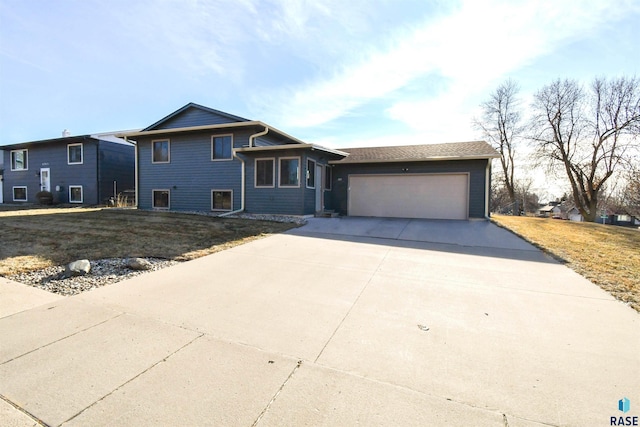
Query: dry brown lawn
x=607, y=255
x=32, y=239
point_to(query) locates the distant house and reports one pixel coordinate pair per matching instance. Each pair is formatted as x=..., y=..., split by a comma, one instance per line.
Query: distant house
x=573, y=214
x=552, y=210
x=201, y=159
x=83, y=170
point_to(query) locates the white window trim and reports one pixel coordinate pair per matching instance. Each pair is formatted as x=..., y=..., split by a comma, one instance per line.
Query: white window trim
x=255, y=172
x=26, y=168
x=153, y=141
x=69, y=162
x=153, y=199
x=221, y=191
x=81, y=194
x=13, y=193
x=309, y=172
x=213, y=147
x=280, y=168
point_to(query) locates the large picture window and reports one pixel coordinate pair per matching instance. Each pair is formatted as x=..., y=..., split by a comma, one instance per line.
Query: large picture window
x=161, y=153
x=264, y=172
x=160, y=199
x=20, y=194
x=75, y=194
x=19, y=160
x=221, y=147
x=74, y=154
x=289, y=172
x=221, y=200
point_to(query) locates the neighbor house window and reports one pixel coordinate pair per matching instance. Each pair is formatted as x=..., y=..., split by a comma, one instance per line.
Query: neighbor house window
x=311, y=174
x=327, y=177
x=75, y=194
x=160, y=151
x=289, y=172
x=74, y=154
x=160, y=199
x=19, y=160
x=264, y=172
x=221, y=200
x=221, y=147
x=19, y=194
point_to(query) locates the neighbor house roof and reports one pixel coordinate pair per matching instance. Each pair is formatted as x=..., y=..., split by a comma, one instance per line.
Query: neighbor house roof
x=420, y=153
x=105, y=136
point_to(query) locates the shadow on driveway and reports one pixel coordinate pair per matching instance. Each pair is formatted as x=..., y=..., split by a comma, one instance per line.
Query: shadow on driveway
x=473, y=237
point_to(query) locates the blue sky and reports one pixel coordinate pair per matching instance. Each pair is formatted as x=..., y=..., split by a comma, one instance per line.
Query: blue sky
x=333, y=72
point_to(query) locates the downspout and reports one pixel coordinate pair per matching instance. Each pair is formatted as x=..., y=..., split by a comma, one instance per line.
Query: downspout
x=487, y=191
x=135, y=169
x=242, y=173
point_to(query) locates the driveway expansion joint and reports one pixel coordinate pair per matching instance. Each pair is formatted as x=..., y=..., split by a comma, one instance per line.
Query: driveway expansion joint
x=24, y=411
x=275, y=396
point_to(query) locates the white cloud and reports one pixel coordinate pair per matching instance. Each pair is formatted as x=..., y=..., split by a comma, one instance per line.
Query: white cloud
x=473, y=49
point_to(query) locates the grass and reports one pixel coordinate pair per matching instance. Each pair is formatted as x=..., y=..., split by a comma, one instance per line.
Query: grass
x=33, y=239
x=609, y=256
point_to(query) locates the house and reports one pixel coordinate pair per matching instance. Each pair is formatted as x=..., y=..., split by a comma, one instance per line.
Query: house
x=573, y=214
x=84, y=170
x=201, y=159
x=552, y=210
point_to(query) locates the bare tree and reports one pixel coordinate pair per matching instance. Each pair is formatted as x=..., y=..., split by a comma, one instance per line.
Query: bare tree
x=589, y=134
x=500, y=125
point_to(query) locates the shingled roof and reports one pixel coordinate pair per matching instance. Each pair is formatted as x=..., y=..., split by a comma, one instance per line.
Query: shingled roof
x=420, y=153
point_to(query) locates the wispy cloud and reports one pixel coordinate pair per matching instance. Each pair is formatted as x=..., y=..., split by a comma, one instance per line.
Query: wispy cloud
x=471, y=49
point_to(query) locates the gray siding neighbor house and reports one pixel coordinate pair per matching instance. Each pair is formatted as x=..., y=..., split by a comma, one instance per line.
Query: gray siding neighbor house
x=83, y=170
x=201, y=159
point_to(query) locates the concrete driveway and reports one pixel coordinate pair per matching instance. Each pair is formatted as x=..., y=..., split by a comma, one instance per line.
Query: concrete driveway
x=344, y=321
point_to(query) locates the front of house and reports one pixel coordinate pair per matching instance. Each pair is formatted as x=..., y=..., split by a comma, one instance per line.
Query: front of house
x=201, y=159
x=83, y=170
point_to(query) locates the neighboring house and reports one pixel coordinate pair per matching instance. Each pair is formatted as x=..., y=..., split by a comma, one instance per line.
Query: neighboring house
x=574, y=214
x=86, y=170
x=1, y=175
x=201, y=159
x=552, y=210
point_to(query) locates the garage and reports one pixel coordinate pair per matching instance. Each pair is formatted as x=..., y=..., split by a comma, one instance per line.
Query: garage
x=433, y=196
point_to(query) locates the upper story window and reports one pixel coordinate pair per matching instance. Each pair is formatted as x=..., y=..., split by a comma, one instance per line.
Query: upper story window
x=289, y=172
x=221, y=147
x=74, y=154
x=19, y=160
x=264, y=172
x=160, y=151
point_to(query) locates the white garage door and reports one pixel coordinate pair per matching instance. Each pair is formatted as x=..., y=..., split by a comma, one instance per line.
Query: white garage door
x=435, y=196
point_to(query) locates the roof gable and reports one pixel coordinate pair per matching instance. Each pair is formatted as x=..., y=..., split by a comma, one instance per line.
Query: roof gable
x=194, y=115
x=417, y=153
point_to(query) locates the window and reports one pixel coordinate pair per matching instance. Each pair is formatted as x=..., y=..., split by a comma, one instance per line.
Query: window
x=221, y=200
x=264, y=172
x=289, y=172
x=160, y=199
x=74, y=154
x=19, y=160
x=19, y=194
x=75, y=194
x=221, y=147
x=160, y=151
x=311, y=174
x=327, y=177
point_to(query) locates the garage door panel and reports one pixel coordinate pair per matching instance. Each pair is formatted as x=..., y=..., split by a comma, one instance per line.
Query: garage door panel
x=436, y=196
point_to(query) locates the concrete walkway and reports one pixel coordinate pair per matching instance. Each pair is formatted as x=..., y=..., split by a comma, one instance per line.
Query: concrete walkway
x=341, y=322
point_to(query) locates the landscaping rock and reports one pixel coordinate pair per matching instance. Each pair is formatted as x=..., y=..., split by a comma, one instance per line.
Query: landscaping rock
x=77, y=268
x=138, y=264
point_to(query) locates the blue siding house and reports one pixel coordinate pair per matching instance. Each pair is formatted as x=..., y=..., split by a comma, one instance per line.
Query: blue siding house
x=83, y=170
x=201, y=159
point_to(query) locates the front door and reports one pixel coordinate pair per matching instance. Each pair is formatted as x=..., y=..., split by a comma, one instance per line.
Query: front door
x=319, y=185
x=45, y=179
